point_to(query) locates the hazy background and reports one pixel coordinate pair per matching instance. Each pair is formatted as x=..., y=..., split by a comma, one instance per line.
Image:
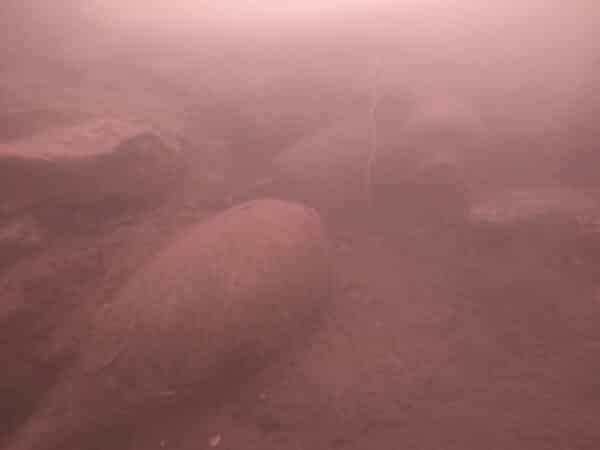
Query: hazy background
x=522, y=61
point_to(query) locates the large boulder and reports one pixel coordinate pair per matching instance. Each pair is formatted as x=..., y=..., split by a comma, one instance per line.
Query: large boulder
x=327, y=169
x=445, y=116
x=205, y=313
x=438, y=130
x=419, y=178
x=46, y=297
x=560, y=224
x=417, y=173
x=99, y=161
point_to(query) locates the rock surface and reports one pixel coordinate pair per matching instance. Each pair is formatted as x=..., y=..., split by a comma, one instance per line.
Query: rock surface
x=327, y=169
x=444, y=114
x=418, y=166
x=99, y=160
x=205, y=313
x=421, y=177
x=528, y=205
x=19, y=123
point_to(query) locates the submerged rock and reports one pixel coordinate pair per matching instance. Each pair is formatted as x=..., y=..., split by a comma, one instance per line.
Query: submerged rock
x=327, y=169
x=209, y=310
x=97, y=161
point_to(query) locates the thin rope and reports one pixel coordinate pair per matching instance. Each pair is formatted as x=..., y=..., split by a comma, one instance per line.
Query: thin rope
x=373, y=135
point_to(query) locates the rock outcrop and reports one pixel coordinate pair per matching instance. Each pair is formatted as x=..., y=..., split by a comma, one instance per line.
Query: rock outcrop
x=209, y=310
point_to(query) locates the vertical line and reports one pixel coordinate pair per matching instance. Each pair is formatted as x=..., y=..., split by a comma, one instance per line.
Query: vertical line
x=373, y=135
